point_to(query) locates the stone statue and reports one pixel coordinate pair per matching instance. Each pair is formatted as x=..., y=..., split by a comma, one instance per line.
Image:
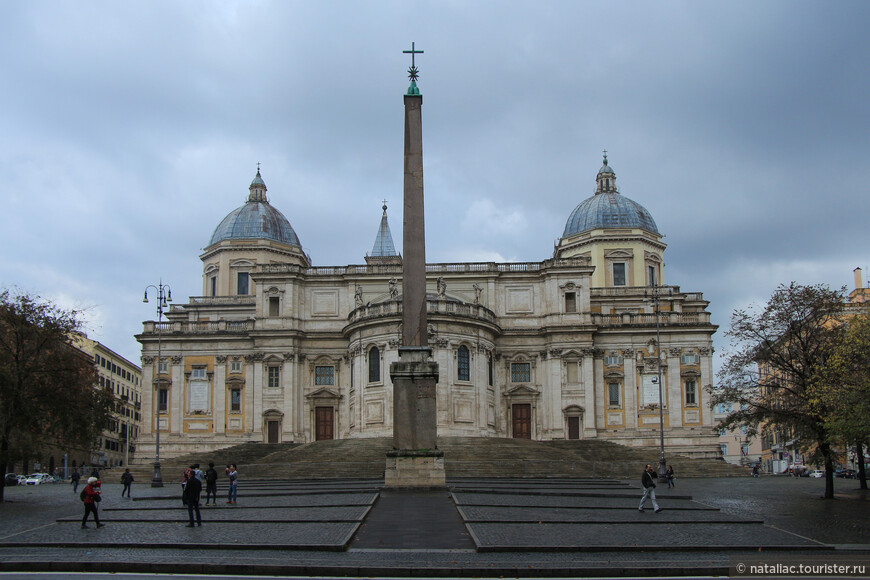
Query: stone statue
x=394, y=288
x=358, y=296
x=477, y=291
x=442, y=287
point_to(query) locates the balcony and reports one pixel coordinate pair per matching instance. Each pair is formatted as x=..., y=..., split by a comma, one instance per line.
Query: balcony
x=449, y=307
x=665, y=319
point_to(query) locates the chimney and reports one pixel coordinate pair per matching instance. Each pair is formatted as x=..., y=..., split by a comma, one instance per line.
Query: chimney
x=859, y=283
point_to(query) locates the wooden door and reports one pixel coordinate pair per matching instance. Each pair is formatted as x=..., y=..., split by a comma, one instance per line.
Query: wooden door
x=273, y=431
x=573, y=427
x=323, y=417
x=522, y=421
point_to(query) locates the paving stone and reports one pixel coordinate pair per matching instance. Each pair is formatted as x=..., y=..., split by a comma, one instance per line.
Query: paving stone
x=234, y=514
x=536, y=514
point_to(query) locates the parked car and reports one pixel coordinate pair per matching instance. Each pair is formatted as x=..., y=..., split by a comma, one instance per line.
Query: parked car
x=11, y=479
x=38, y=478
x=817, y=473
x=22, y=479
x=847, y=473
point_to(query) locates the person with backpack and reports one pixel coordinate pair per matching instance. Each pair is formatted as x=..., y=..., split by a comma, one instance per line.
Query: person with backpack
x=211, y=477
x=127, y=480
x=234, y=478
x=91, y=496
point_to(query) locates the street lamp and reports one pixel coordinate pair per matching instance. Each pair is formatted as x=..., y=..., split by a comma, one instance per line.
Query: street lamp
x=655, y=297
x=164, y=295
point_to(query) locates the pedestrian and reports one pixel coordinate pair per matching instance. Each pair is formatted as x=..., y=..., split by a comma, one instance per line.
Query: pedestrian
x=91, y=496
x=649, y=489
x=755, y=470
x=211, y=484
x=74, y=479
x=95, y=473
x=192, y=491
x=234, y=479
x=127, y=480
x=669, y=476
x=198, y=473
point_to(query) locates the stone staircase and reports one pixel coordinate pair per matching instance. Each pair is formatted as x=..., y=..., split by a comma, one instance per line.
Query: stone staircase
x=464, y=457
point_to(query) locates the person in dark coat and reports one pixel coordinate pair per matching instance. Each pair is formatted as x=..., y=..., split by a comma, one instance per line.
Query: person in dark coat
x=192, y=491
x=211, y=477
x=669, y=475
x=127, y=480
x=649, y=488
x=74, y=479
x=92, y=496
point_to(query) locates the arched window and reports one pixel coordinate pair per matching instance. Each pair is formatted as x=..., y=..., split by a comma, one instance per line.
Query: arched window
x=463, y=366
x=374, y=364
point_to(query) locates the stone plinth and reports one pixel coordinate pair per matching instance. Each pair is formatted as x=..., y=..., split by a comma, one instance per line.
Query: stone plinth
x=414, y=414
x=409, y=468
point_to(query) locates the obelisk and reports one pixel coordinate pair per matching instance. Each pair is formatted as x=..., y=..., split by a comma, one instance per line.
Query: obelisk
x=415, y=460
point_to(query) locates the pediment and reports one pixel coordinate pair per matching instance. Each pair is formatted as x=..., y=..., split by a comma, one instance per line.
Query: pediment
x=323, y=393
x=522, y=391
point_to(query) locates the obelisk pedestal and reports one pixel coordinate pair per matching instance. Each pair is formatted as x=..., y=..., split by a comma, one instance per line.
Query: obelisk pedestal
x=415, y=460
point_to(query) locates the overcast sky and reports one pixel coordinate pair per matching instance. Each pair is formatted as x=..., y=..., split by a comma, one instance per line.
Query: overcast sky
x=130, y=129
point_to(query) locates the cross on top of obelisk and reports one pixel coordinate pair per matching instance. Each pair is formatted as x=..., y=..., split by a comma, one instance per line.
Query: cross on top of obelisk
x=413, y=72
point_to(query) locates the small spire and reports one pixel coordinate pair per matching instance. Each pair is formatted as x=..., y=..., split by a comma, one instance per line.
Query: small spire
x=606, y=179
x=383, y=248
x=258, y=188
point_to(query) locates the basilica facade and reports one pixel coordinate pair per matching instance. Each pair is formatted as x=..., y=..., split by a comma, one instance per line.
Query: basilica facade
x=589, y=343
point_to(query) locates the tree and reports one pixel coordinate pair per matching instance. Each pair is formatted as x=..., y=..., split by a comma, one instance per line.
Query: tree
x=778, y=370
x=48, y=393
x=848, y=380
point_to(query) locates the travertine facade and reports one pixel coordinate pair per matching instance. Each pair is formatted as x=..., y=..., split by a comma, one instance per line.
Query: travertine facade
x=279, y=350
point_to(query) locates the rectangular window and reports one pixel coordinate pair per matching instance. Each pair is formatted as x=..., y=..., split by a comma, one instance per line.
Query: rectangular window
x=324, y=375
x=236, y=366
x=273, y=306
x=570, y=302
x=651, y=274
x=613, y=394
x=242, y=283
x=274, y=377
x=691, y=393
x=619, y=274
x=573, y=372
x=197, y=373
x=613, y=360
x=521, y=372
x=235, y=400
x=163, y=367
x=163, y=401
x=723, y=448
x=489, y=369
x=691, y=358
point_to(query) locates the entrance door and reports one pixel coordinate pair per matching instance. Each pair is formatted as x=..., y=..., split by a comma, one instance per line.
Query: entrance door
x=273, y=431
x=522, y=421
x=573, y=427
x=323, y=423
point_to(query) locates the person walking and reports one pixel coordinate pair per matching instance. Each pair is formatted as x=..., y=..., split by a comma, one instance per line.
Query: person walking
x=234, y=479
x=192, y=491
x=74, y=479
x=127, y=480
x=91, y=495
x=649, y=489
x=669, y=476
x=211, y=477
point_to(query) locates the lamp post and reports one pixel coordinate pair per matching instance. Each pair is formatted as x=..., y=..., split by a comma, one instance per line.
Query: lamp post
x=164, y=295
x=655, y=297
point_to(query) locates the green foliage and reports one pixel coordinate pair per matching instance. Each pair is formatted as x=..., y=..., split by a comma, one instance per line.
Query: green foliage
x=777, y=373
x=48, y=395
x=847, y=392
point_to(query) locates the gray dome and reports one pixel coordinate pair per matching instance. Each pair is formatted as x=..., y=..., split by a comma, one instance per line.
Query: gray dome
x=256, y=220
x=608, y=208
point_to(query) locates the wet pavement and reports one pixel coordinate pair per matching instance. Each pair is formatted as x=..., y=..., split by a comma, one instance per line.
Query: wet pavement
x=477, y=528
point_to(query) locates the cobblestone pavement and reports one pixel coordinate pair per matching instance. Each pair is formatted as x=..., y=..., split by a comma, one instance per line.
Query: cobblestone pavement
x=590, y=514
